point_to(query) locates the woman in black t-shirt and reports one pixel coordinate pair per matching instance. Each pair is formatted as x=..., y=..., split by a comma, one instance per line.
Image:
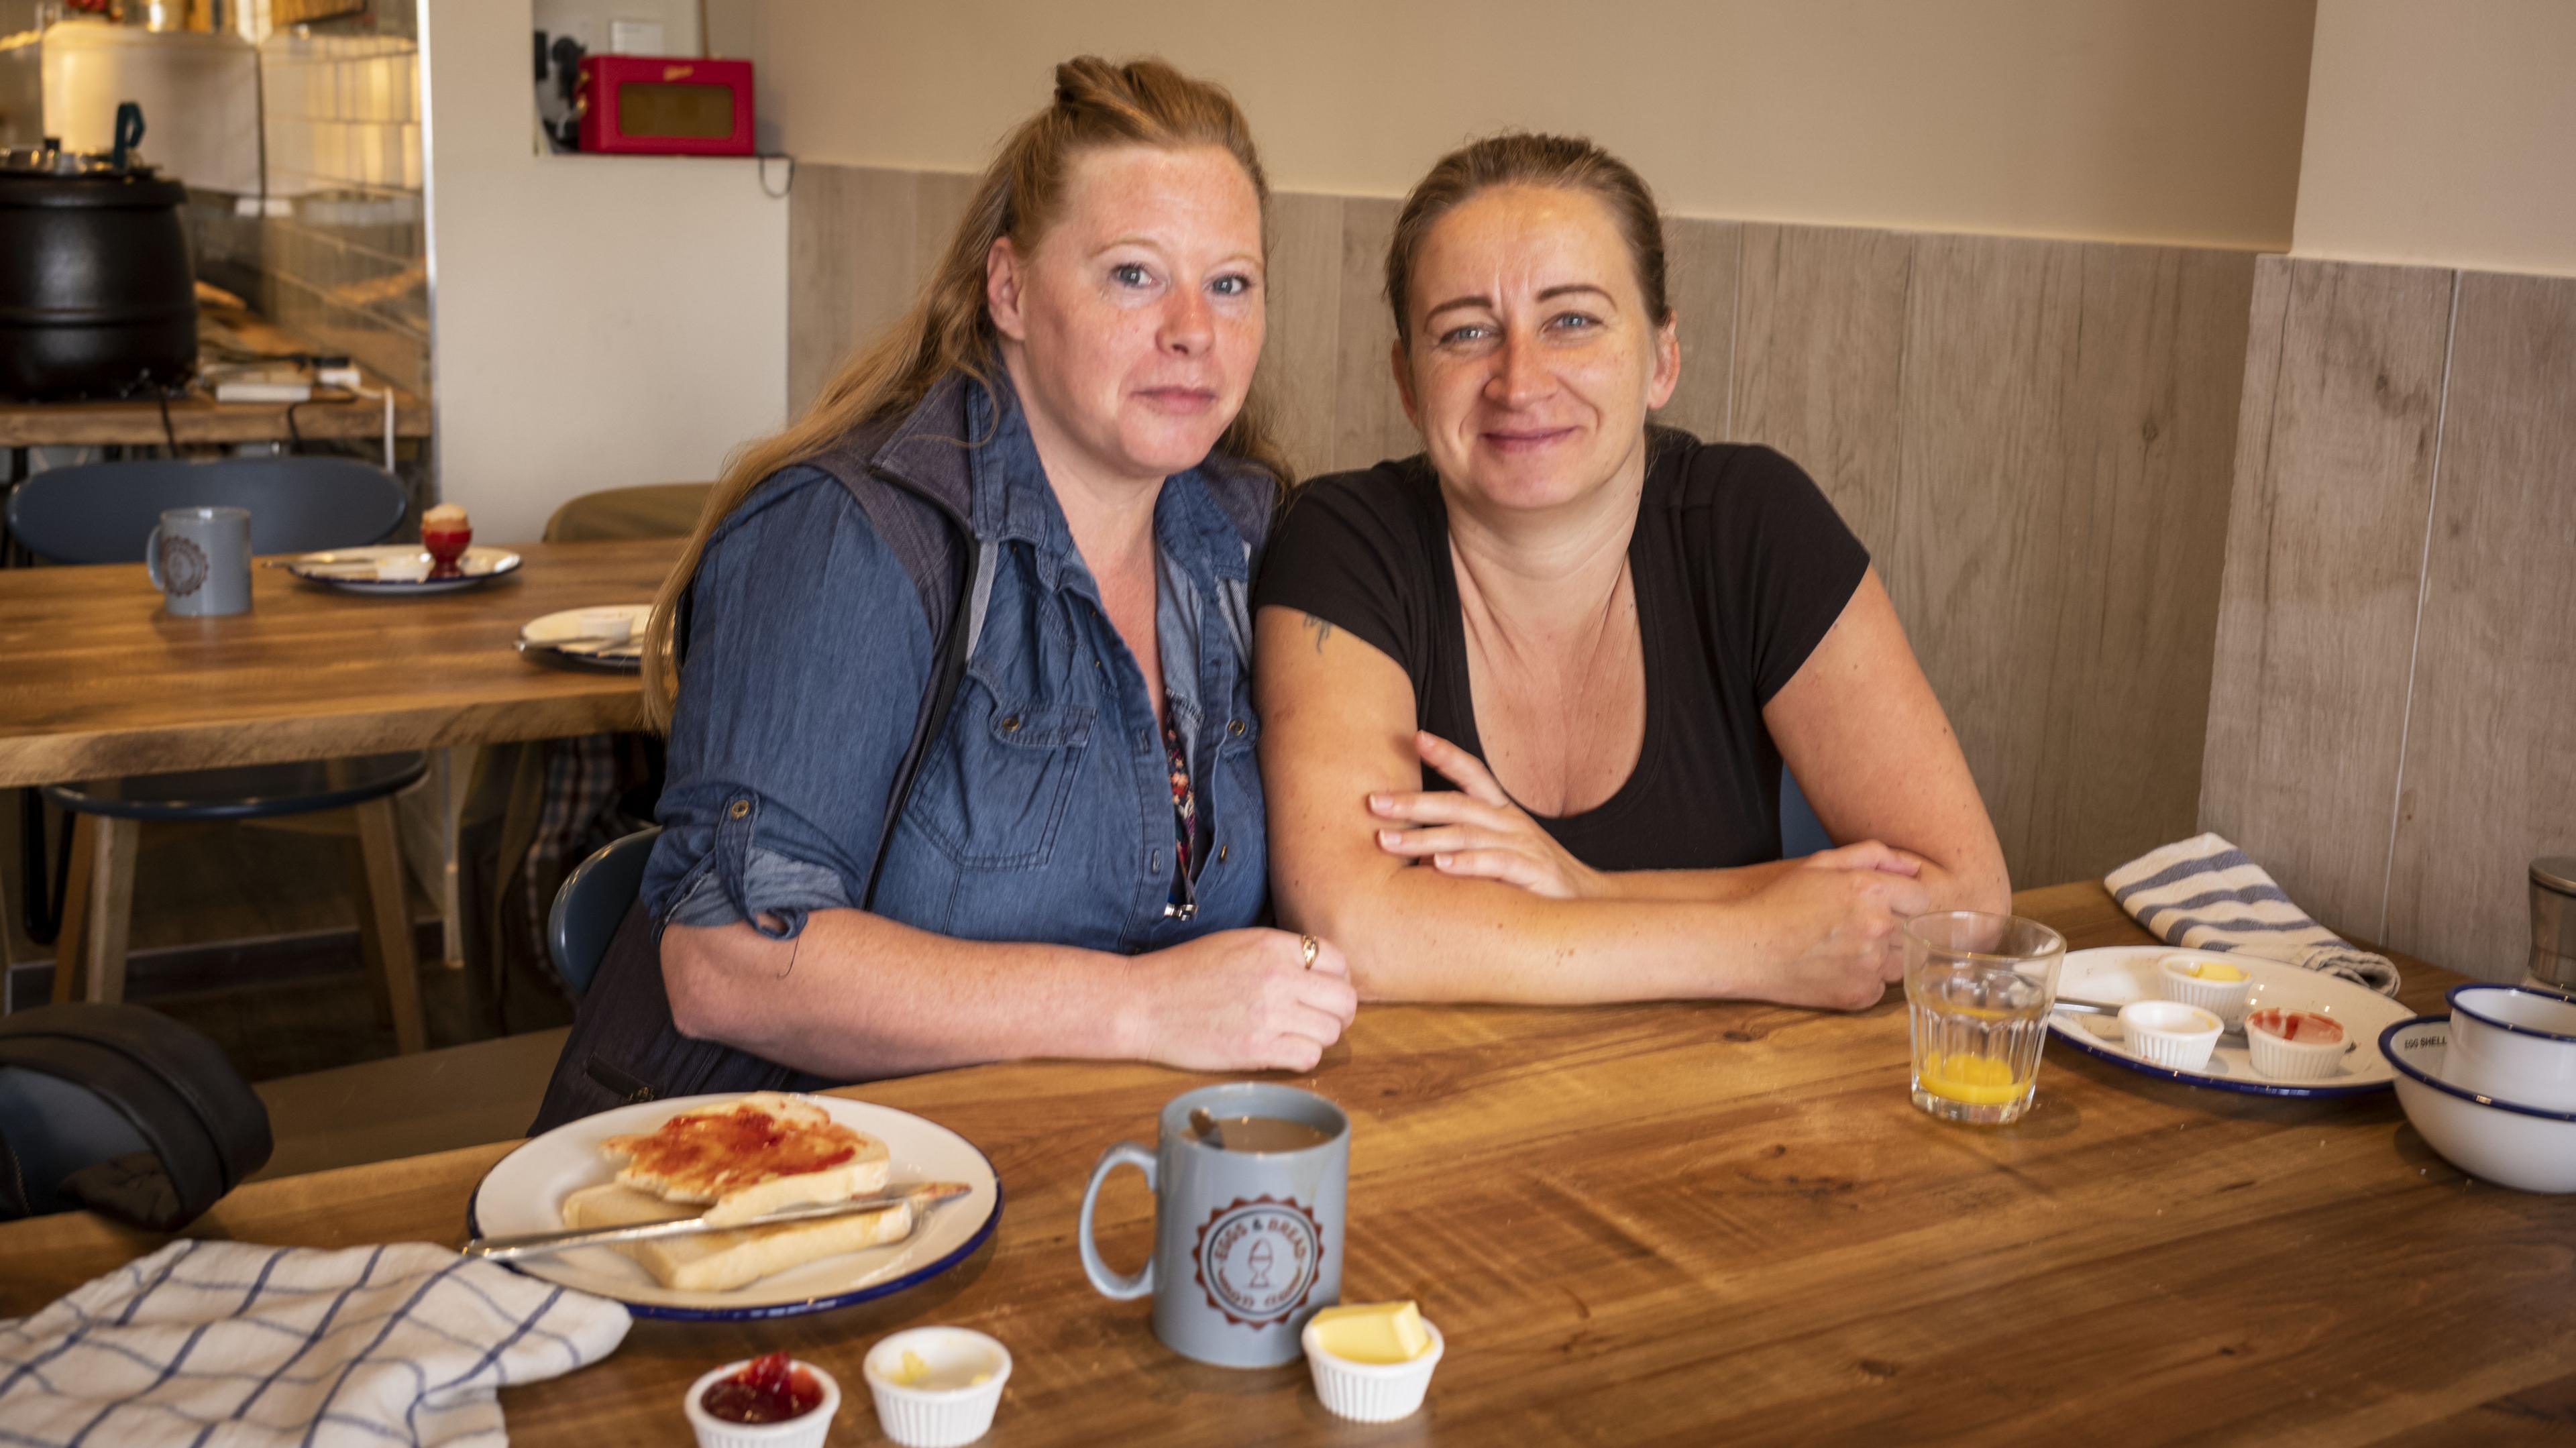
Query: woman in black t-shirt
x=1606, y=636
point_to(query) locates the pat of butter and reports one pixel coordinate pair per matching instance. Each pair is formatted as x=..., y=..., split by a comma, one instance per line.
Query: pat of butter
x=910, y=1372
x=1373, y=1332
x=2216, y=970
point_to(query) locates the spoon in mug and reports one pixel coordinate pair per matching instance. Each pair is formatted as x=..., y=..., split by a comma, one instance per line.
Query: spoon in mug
x=1205, y=1126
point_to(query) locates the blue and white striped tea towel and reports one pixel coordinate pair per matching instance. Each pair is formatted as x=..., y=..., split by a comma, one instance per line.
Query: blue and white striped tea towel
x=2203, y=894
x=228, y=1345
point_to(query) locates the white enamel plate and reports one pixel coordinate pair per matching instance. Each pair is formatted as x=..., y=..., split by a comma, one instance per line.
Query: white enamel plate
x=2119, y=974
x=525, y=1191
x=607, y=639
x=354, y=570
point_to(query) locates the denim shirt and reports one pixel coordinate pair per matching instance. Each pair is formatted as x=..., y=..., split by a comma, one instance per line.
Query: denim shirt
x=1043, y=811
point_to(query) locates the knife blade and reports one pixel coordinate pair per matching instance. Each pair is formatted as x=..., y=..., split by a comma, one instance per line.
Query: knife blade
x=503, y=1249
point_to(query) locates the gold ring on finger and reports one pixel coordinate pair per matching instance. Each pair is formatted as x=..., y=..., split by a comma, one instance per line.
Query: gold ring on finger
x=1307, y=946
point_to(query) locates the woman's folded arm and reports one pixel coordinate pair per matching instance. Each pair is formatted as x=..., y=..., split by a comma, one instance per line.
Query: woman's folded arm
x=1338, y=727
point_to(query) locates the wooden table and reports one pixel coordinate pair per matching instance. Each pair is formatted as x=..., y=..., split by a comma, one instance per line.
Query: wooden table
x=100, y=681
x=1687, y=1224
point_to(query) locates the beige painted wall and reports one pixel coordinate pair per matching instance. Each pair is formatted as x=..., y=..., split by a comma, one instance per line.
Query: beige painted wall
x=2145, y=120
x=595, y=320
x=2442, y=132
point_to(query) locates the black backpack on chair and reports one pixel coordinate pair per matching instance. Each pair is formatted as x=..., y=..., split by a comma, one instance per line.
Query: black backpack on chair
x=124, y=1111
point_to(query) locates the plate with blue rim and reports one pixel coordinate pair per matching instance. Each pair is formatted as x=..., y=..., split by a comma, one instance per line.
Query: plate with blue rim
x=525, y=1191
x=2119, y=974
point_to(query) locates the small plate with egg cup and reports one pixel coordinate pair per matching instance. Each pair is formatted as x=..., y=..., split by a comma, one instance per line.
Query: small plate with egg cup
x=2528, y=1148
x=2119, y=974
x=805, y=1430
x=399, y=570
x=918, y=1416
x=2513, y=1041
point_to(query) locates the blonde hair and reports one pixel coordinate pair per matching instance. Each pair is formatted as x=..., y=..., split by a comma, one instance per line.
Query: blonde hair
x=1096, y=105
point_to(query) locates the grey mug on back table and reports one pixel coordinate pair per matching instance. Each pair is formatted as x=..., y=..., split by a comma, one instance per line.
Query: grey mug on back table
x=1247, y=1244
x=200, y=560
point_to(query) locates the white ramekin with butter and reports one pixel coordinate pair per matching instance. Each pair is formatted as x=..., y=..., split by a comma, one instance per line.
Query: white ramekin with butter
x=1372, y=1361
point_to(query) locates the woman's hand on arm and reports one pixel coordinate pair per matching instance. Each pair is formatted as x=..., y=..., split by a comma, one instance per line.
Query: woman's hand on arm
x=856, y=994
x=1476, y=831
x=1860, y=728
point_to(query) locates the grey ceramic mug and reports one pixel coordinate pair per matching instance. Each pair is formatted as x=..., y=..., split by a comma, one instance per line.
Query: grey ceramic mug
x=200, y=560
x=1247, y=1244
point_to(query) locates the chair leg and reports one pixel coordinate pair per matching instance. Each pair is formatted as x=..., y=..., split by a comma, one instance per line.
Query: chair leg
x=111, y=913
x=387, y=916
x=73, y=933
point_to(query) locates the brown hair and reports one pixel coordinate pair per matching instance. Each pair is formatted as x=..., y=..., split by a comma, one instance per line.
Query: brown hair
x=1096, y=105
x=1523, y=158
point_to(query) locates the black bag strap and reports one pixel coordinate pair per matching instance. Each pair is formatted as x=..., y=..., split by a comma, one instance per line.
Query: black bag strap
x=955, y=644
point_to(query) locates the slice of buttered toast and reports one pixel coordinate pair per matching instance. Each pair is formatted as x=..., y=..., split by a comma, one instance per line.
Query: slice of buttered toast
x=722, y=1261
x=751, y=1156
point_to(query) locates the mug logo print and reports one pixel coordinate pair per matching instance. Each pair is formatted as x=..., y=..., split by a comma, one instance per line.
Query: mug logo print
x=183, y=563
x=1257, y=1259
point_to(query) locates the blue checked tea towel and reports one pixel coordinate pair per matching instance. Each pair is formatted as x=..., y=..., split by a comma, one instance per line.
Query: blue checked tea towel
x=2203, y=894
x=228, y=1345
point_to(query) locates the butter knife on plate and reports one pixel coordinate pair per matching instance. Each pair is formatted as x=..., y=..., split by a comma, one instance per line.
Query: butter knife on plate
x=503, y=1249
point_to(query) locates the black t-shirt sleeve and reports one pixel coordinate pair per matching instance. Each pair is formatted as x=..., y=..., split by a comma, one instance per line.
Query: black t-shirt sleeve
x=1351, y=552
x=1785, y=563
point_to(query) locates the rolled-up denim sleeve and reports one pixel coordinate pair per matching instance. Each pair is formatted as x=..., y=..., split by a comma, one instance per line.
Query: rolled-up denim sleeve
x=802, y=672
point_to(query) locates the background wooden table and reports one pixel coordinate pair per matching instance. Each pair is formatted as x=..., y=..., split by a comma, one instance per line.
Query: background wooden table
x=100, y=681
x=1686, y=1224
x=198, y=418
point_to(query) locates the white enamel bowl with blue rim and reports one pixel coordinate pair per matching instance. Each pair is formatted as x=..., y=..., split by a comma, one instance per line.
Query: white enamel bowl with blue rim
x=2526, y=1147
x=2514, y=1041
x=525, y=1191
x=2119, y=974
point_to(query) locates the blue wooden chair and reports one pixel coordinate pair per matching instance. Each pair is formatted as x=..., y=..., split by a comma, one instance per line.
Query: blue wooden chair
x=594, y=898
x=102, y=513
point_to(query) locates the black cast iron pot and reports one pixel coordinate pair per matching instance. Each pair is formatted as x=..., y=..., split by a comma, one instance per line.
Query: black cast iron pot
x=97, y=297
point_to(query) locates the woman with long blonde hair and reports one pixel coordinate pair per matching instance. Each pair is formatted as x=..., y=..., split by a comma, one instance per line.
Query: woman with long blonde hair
x=955, y=669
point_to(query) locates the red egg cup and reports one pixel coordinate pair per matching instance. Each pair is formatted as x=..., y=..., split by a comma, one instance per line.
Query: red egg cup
x=445, y=545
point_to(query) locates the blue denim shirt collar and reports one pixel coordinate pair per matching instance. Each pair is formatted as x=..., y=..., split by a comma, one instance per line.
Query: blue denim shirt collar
x=1013, y=501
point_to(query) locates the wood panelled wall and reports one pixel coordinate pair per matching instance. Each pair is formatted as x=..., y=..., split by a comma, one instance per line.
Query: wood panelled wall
x=2393, y=712
x=2033, y=437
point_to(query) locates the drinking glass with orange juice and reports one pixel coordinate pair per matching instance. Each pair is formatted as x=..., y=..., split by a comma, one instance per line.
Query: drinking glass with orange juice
x=1977, y=992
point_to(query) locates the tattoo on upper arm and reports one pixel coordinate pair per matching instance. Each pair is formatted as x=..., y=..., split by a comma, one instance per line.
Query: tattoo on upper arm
x=1321, y=629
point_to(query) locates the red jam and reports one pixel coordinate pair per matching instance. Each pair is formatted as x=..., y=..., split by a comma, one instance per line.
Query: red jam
x=2305, y=1027
x=738, y=1148
x=767, y=1390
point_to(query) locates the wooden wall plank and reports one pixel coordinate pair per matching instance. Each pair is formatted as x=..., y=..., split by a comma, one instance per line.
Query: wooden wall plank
x=2490, y=768
x=1699, y=281
x=938, y=205
x=2325, y=549
x=2236, y=665
x=850, y=266
x=1303, y=313
x=1820, y=342
x=2146, y=477
x=1368, y=418
x=1983, y=522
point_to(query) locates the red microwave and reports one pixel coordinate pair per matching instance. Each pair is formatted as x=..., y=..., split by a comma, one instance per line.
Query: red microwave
x=664, y=105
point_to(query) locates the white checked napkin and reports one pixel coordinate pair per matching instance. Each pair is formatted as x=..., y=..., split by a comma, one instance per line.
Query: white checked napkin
x=228, y=1345
x=2203, y=894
